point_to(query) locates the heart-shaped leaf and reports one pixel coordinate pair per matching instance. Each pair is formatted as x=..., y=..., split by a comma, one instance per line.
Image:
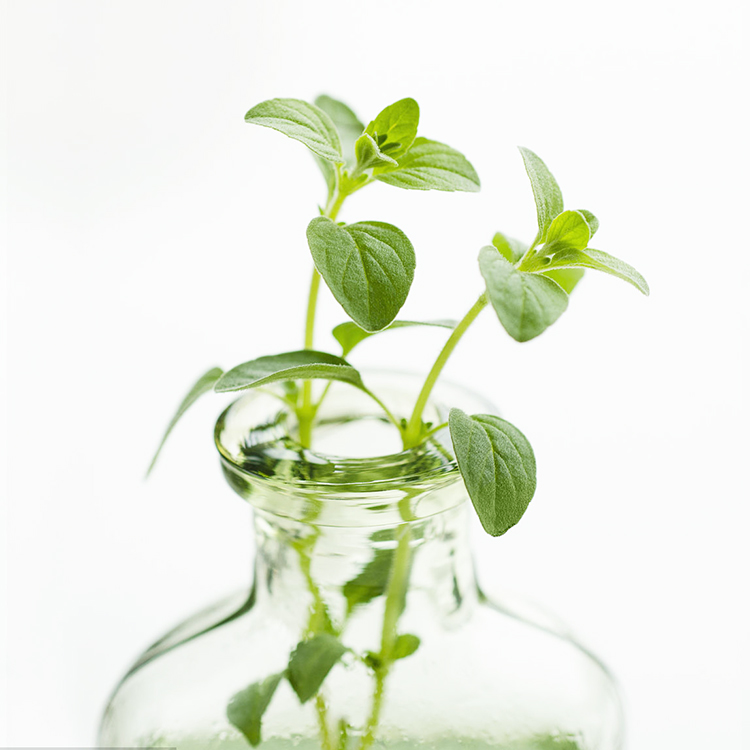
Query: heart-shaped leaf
x=306, y=364
x=395, y=128
x=246, y=708
x=368, y=266
x=203, y=385
x=498, y=467
x=526, y=304
x=429, y=165
x=350, y=334
x=302, y=121
x=311, y=662
x=547, y=194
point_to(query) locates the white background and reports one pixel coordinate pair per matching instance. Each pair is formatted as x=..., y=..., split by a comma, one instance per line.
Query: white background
x=153, y=234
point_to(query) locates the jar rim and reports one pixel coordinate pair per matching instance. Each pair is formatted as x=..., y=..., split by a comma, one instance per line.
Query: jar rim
x=264, y=464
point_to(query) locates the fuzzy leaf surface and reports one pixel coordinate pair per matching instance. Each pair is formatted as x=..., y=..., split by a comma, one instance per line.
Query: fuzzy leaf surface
x=302, y=121
x=368, y=153
x=526, y=304
x=569, y=229
x=349, y=334
x=311, y=662
x=203, y=385
x=547, y=194
x=345, y=121
x=246, y=708
x=498, y=467
x=570, y=258
x=430, y=165
x=567, y=278
x=511, y=249
x=591, y=220
x=305, y=364
x=368, y=266
x=395, y=128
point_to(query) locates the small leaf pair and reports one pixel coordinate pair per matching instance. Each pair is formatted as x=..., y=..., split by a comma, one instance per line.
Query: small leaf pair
x=401, y=159
x=529, y=288
x=309, y=665
x=388, y=145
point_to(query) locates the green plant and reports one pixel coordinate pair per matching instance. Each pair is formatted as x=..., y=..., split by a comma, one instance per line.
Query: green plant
x=369, y=267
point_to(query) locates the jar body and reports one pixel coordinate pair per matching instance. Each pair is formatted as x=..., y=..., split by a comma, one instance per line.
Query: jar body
x=425, y=659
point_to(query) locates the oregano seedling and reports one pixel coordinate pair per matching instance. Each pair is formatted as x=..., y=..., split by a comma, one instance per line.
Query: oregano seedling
x=368, y=267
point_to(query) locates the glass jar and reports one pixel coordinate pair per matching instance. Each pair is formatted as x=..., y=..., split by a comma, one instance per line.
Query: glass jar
x=364, y=625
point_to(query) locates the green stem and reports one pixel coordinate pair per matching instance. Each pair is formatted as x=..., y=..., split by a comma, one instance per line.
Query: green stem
x=413, y=432
x=385, y=409
x=318, y=617
x=306, y=413
x=312, y=303
x=396, y=594
x=325, y=732
x=394, y=604
x=377, y=704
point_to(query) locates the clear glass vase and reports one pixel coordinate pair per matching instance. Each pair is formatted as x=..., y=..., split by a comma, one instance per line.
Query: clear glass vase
x=364, y=625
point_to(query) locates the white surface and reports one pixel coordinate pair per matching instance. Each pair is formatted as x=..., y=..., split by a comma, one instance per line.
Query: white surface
x=152, y=236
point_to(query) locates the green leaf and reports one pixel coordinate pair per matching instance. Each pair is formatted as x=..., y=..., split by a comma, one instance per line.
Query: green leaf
x=570, y=229
x=349, y=128
x=429, y=165
x=405, y=645
x=302, y=121
x=597, y=260
x=395, y=128
x=246, y=708
x=311, y=662
x=345, y=121
x=204, y=384
x=349, y=334
x=306, y=364
x=547, y=195
x=368, y=266
x=567, y=278
x=371, y=582
x=498, y=467
x=526, y=304
x=591, y=220
x=511, y=249
x=369, y=155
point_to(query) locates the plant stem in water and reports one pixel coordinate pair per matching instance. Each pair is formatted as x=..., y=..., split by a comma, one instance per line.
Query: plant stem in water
x=395, y=601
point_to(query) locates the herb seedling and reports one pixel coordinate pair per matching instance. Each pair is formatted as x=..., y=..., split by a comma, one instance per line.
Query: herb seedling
x=369, y=266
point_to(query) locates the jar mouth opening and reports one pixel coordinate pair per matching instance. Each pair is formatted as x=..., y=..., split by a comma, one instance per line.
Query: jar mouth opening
x=256, y=435
x=351, y=460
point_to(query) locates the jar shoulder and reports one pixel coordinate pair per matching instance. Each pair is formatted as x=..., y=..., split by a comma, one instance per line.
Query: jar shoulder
x=493, y=654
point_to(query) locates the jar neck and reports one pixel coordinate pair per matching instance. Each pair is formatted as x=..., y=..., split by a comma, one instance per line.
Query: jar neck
x=336, y=572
